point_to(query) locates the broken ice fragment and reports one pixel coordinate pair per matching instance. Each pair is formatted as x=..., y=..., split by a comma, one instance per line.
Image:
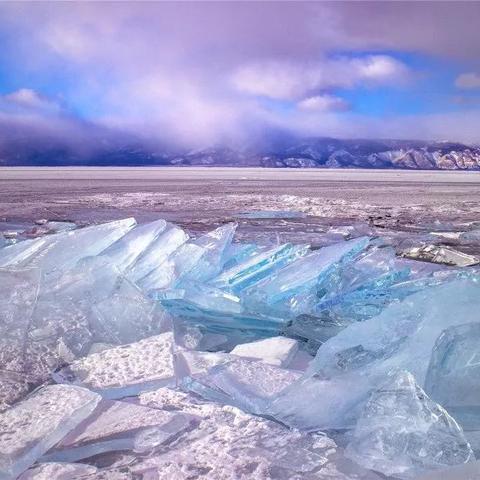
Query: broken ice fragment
x=247, y=325
x=215, y=245
x=277, y=351
x=34, y=425
x=173, y=269
x=247, y=384
x=125, y=370
x=130, y=246
x=65, y=249
x=119, y=426
x=197, y=260
x=453, y=376
x=444, y=255
x=124, y=316
x=317, y=404
x=403, y=433
x=157, y=252
x=200, y=295
x=19, y=253
x=58, y=471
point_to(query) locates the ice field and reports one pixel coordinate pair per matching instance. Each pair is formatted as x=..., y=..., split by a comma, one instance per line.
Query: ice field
x=139, y=351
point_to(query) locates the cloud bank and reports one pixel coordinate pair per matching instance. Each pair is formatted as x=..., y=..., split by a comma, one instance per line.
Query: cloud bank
x=197, y=73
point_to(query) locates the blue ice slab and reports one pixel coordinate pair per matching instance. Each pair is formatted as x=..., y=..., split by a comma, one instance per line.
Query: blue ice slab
x=197, y=260
x=271, y=214
x=401, y=337
x=18, y=298
x=219, y=312
x=215, y=245
x=310, y=271
x=240, y=252
x=170, y=272
x=124, y=316
x=200, y=295
x=157, y=252
x=65, y=249
x=258, y=267
x=125, y=251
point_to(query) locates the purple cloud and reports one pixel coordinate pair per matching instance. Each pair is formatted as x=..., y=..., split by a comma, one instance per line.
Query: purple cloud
x=200, y=72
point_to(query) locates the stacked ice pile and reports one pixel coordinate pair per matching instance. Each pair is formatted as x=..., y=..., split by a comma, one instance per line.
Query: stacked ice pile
x=135, y=352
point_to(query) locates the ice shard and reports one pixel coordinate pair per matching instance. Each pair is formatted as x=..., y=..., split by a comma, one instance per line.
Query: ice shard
x=125, y=370
x=302, y=275
x=157, y=252
x=65, y=249
x=20, y=253
x=58, y=471
x=257, y=267
x=201, y=295
x=130, y=246
x=318, y=403
x=124, y=316
x=18, y=297
x=453, y=376
x=173, y=269
x=277, y=351
x=215, y=245
x=119, y=426
x=37, y=423
x=403, y=433
x=247, y=384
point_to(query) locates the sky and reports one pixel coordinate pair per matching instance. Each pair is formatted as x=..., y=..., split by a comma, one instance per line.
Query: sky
x=202, y=73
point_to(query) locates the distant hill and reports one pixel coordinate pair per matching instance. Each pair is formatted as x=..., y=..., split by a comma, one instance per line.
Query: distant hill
x=289, y=153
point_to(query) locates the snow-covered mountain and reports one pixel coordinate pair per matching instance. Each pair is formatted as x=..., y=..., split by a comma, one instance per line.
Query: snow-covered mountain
x=289, y=153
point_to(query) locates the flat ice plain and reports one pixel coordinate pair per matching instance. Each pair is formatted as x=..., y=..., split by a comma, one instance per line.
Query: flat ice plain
x=201, y=198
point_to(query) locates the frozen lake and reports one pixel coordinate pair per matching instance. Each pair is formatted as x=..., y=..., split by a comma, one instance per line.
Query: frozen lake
x=198, y=198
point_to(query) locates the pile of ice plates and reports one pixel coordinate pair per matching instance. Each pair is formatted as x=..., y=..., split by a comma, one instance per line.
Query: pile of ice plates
x=135, y=352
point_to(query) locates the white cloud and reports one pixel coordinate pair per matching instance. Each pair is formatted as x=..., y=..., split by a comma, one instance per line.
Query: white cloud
x=290, y=81
x=323, y=103
x=28, y=98
x=468, y=80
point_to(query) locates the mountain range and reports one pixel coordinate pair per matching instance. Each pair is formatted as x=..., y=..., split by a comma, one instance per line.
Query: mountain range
x=286, y=152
